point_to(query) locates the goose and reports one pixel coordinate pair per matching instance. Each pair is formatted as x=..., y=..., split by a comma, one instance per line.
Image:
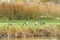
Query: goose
x=25, y=23
x=36, y=23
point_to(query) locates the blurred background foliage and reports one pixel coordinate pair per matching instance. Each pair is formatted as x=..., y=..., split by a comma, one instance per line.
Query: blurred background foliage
x=30, y=10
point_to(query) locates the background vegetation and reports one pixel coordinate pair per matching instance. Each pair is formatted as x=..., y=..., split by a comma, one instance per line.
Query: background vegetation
x=46, y=9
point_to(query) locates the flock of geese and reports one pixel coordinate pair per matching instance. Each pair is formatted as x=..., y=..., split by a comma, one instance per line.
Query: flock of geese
x=26, y=23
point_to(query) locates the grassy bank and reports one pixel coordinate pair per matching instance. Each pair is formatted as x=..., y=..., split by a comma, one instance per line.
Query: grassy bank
x=49, y=29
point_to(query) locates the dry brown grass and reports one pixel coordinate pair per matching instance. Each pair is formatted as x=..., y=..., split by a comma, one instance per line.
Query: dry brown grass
x=30, y=32
x=31, y=8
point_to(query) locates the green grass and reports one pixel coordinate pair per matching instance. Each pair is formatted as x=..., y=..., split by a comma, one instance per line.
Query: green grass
x=19, y=23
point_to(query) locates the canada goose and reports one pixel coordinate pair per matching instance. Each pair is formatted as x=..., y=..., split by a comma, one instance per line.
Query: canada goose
x=36, y=23
x=25, y=23
x=10, y=24
x=43, y=23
